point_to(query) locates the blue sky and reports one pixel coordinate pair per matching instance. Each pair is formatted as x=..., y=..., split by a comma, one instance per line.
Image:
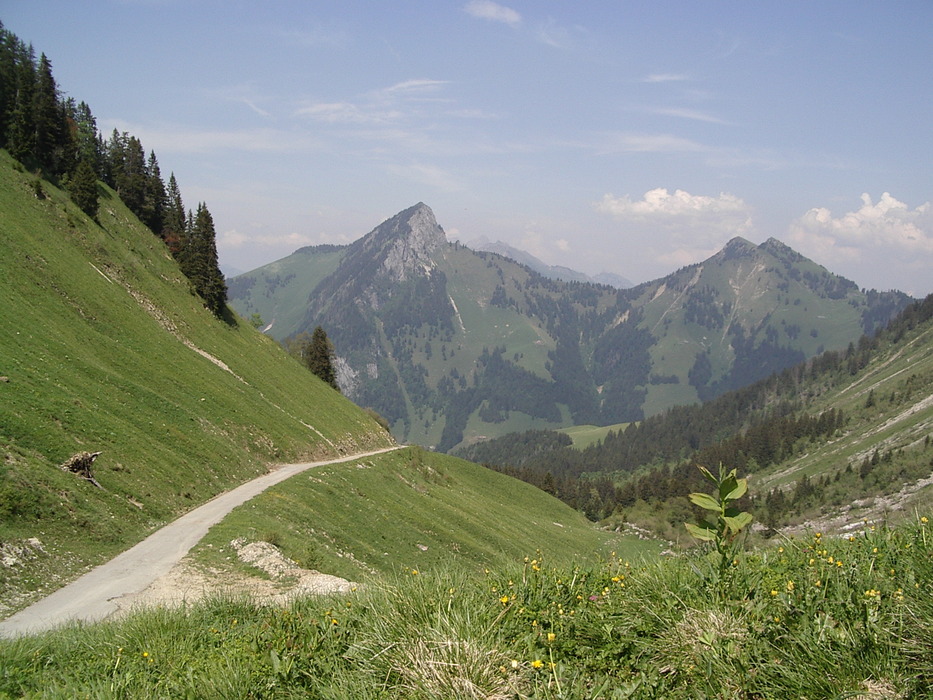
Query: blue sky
x=629, y=137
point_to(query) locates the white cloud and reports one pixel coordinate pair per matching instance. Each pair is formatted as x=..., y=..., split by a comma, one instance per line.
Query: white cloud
x=416, y=86
x=665, y=78
x=659, y=203
x=679, y=228
x=888, y=226
x=486, y=9
x=647, y=143
x=553, y=35
x=383, y=106
x=348, y=113
x=692, y=114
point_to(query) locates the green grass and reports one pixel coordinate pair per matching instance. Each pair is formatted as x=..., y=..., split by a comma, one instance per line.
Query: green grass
x=105, y=348
x=585, y=435
x=412, y=509
x=814, y=618
x=296, y=276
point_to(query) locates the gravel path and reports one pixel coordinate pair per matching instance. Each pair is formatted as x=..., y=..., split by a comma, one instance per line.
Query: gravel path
x=103, y=591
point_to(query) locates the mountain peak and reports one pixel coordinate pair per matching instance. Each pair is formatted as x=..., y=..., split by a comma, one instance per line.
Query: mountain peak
x=737, y=247
x=407, y=242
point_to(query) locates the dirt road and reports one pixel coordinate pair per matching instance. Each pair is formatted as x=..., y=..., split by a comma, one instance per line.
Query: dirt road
x=97, y=594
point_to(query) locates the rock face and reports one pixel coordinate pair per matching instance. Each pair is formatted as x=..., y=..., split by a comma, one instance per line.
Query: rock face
x=413, y=238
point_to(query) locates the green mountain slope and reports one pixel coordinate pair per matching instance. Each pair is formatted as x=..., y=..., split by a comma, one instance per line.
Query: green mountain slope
x=104, y=347
x=413, y=510
x=281, y=293
x=453, y=345
x=843, y=437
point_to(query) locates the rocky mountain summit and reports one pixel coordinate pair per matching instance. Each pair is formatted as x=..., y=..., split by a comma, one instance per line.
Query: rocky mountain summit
x=412, y=238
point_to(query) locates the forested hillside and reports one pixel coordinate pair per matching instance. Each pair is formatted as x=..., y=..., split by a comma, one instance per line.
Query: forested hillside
x=453, y=345
x=843, y=426
x=57, y=138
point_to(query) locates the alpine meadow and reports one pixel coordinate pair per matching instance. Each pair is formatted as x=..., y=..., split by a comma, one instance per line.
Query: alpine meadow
x=510, y=481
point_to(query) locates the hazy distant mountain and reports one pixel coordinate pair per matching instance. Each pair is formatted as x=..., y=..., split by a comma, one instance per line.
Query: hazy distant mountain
x=452, y=344
x=554, y=272
x=229, y=271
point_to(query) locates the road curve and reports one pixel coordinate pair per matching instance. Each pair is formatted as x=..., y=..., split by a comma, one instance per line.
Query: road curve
x=96, y=595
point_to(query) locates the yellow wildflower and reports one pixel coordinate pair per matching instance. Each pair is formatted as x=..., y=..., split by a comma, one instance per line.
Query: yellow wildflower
x=537, y=663
x=551, y=636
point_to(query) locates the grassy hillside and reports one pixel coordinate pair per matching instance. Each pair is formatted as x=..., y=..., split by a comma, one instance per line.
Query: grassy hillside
x=413, y=510
x=103, y=347
x=815, y=618
x=585, y=435
x=279, y=291
x=881, y=463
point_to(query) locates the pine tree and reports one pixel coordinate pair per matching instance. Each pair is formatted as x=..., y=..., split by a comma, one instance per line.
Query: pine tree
x=173, y=223
x=131, y=180
x=198, y=260
x=113, y=158
x=9, y=45
x=83, y=188
x=22, y=129
x=154, y=197
x=319, y=357
x=46, y=117
x=88, y=140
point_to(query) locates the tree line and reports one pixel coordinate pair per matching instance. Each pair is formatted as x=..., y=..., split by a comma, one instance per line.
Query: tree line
x=57, y=138
x=655, y=460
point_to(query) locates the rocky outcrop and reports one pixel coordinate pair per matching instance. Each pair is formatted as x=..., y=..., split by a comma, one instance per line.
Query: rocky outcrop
x=417, y=238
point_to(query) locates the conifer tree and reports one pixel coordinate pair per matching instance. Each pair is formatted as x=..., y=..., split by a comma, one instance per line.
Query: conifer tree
x=173, y=224
x=154, y=197
x=88, y=144
x=22, y=129
x=319, y=357
x=113, y=158
x=131, y=178
x=83, y=188
x=8, y=52
x=198, y=260
x=46, y=117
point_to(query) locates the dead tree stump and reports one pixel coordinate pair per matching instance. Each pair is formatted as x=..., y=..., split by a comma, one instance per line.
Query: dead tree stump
x=80, y=465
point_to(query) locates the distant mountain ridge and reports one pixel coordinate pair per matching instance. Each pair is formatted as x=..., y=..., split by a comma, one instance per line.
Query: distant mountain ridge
x=555, y=272
x=452, y=344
